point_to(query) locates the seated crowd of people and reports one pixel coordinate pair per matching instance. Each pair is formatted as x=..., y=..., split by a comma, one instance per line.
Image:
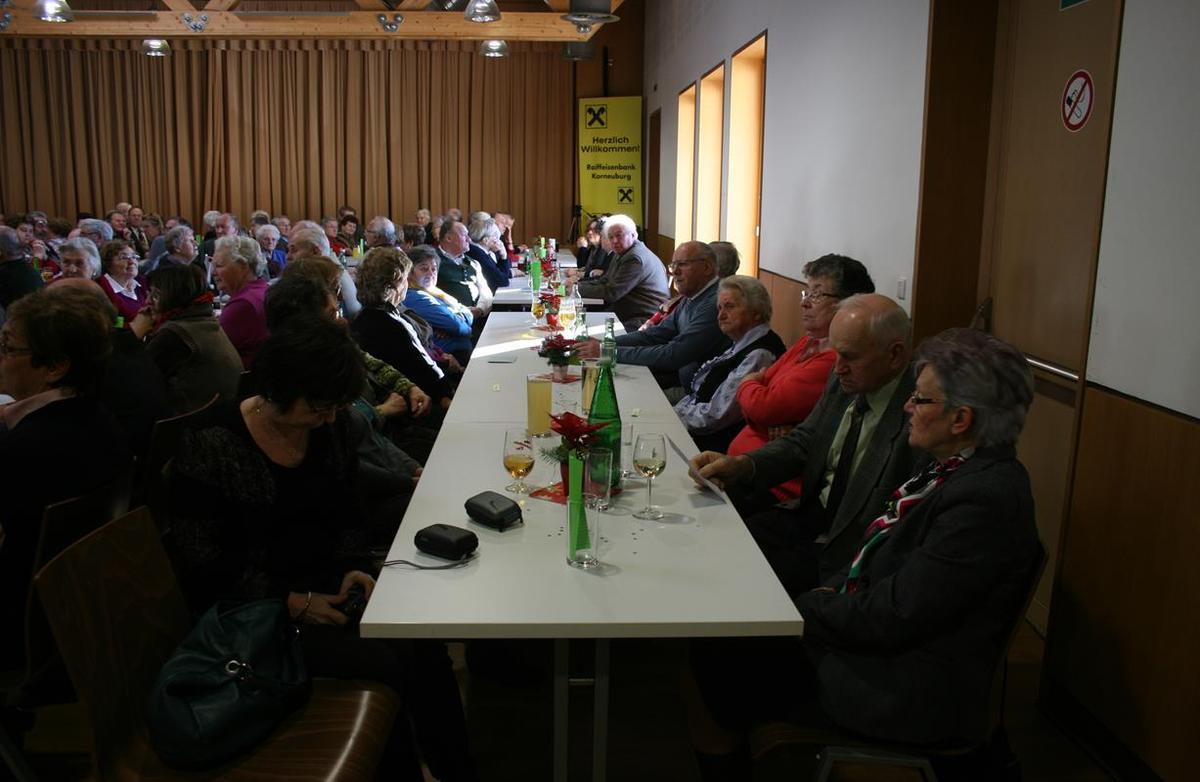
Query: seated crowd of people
x=324, y=355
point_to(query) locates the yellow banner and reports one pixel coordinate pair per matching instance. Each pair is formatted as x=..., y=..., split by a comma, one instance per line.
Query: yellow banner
x=610, y=156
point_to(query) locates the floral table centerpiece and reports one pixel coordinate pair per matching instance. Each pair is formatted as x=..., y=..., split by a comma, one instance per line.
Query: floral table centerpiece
x=578, y=437
x=548, y=303
x=560, y=352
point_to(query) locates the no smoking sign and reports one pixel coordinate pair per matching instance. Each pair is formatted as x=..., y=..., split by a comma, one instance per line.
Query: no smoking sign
x=1077, y=101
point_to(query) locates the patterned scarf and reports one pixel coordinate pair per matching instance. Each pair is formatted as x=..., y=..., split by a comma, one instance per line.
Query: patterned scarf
x=162, y=317
x=903, y=500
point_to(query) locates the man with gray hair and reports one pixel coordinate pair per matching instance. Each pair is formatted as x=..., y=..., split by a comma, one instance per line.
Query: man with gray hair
x=380, y=232
x=850, y=452
x=99, y=231
x=17, y=276
x=307, y=240
x=636, y=282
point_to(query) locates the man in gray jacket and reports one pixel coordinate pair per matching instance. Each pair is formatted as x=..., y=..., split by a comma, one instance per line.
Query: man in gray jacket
x=636, y=282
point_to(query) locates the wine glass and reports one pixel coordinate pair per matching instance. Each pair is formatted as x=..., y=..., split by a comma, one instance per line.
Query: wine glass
x=650, y=459
x=518, y=458
x=566, y=315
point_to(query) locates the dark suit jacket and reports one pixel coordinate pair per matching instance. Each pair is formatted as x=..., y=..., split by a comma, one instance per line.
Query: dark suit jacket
x=634, y=286
x=911, y=655
x=887, y=463
x=495, y=271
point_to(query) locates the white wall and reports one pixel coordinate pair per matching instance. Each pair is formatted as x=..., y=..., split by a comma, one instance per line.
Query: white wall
x=1145, y=339
x=844, y=114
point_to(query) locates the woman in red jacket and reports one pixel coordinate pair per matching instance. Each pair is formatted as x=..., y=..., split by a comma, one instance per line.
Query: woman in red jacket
x=777, y=398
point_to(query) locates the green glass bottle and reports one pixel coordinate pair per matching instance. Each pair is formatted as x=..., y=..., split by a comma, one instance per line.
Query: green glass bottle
x=605, y=411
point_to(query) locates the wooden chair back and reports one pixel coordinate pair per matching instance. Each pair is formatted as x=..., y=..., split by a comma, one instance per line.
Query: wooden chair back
x=63, y=523
x=164, y=443
x=116, y=611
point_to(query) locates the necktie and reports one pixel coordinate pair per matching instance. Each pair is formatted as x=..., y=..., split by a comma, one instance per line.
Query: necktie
x=841, y=475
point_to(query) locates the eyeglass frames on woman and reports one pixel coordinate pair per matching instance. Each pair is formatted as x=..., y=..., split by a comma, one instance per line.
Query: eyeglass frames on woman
x=916, y=400
x=815, y=298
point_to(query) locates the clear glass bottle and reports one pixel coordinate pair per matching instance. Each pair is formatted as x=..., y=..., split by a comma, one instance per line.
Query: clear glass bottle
x=608, y=346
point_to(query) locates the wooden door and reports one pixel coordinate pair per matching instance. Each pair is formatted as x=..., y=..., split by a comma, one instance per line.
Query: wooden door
x=1047, y=166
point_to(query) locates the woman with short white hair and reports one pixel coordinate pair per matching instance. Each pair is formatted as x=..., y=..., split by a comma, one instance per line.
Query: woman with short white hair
x=274, y=256
x=710, y=410
x=79, y=257
x=237, y=271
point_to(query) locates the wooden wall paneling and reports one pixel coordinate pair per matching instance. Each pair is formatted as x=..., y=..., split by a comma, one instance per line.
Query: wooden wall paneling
x=1050, y=181
x=624, y=43
x=785, y=301
x=1045, y=449
x=954, y=164
x=664, y=247
x=1123, y=638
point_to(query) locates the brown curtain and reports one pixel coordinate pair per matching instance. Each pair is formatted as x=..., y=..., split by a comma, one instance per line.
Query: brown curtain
x=292, y=127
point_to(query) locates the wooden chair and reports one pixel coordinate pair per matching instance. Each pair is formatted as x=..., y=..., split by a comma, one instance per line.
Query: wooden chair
x=43, y=680
x=63, y=523
x=164, y=443
x=117, y=613
x=836, y=747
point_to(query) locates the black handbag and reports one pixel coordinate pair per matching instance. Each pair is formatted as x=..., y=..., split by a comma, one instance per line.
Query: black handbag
x=228, y=685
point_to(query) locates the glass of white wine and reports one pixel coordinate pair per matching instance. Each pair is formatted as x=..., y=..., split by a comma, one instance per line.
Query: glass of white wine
x=566, y=315
x=650, y=459
x=518, y=458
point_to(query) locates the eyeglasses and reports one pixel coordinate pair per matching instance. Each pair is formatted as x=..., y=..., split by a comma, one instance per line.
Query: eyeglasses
x=916, y=400
x=683, y=264
x=814, y=298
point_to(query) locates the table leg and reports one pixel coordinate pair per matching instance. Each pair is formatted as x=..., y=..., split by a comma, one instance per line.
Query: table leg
x=600, y=713
x=561, y=716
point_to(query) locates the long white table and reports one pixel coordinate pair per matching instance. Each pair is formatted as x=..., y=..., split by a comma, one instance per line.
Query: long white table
x=695, y=573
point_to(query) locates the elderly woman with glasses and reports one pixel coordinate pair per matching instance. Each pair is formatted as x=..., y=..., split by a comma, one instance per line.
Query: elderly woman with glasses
x=709, y=409
x=78, y=257
x=54, y=349
x=903, y=643
x=119, y=279
x=776, y=399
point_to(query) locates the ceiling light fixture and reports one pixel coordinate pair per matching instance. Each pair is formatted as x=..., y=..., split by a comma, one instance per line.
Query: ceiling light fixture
x=54, y=11
x=482, y=11
x=155, y=47
x=493, y=48
x=586, y=13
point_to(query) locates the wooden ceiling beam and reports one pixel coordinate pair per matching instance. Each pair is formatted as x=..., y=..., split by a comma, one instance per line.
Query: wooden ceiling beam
x=220, y=5
x=433, y=25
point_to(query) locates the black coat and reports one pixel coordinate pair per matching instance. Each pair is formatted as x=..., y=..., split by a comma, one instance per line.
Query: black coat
x=380, y=335
x=911, y=655
x=63, y=450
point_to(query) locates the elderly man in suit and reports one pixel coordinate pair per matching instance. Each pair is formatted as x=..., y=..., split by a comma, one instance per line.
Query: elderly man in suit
x=636, y=282
x=850, y=452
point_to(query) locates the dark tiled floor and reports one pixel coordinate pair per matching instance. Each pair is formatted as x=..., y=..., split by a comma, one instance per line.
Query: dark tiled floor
x=511, y=729
x=509, y=714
